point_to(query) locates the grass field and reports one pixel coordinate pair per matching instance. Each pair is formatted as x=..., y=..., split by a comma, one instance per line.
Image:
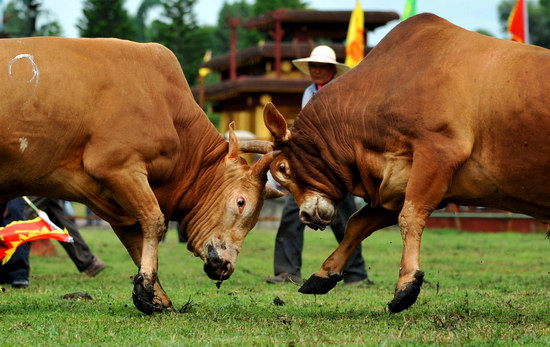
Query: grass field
x=482, y=290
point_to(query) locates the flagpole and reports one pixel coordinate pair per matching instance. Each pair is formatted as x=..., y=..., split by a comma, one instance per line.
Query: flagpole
x=526, y=19
x=42, y=214
x=29, y=202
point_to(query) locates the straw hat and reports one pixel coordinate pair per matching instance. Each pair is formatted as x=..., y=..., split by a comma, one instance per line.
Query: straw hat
x=320, y=54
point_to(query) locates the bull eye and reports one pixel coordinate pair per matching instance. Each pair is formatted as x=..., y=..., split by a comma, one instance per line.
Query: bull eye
x=282, y=167
x=241, y=202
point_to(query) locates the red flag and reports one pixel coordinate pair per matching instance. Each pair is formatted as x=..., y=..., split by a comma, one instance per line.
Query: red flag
x=518, y=22
x=17, y=233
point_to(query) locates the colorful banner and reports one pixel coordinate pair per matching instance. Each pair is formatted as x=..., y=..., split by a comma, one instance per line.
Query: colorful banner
x=17, y=233
x=410, y=9
x=518, y=22
x=355, y=40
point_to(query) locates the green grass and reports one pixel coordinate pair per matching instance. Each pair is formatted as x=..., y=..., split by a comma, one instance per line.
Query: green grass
x=482, y=290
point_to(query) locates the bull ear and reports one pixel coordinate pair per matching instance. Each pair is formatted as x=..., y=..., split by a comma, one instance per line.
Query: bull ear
x=272, y=193
x=262, y=166
x=233, y=142
x=276, y=123
x=256, y=146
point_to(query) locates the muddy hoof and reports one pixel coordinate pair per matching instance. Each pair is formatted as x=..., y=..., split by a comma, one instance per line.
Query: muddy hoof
x=319, y=285
x=403, y=299
x=143, y=295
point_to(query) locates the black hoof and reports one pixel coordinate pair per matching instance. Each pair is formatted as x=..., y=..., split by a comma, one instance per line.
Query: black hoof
x=403, y=299
x=319, y=285
x=143, y=295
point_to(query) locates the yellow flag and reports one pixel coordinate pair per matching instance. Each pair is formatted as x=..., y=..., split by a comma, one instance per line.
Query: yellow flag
x=355, y=40
x=203, y=71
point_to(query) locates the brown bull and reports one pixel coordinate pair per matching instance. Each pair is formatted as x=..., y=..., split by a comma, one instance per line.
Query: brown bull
x=434, y=114
x=113, y=124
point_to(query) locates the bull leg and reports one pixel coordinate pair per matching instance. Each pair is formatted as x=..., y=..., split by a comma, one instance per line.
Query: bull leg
x=360, y=226
x=145, y=300
x=426, y=187
x=131, y=190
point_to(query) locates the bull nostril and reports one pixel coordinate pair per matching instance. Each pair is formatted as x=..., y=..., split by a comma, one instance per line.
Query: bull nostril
x=225, y=268
x=305, y=217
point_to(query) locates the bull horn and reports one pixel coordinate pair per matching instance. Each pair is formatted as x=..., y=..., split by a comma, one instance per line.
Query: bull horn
x=259, y=171
x=262, y=166
x=233, y=142
x=256, y=146
x=272, y=193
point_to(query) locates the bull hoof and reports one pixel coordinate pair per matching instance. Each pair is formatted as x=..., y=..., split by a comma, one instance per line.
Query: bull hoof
x=143, y=296
x=319, y=285
x=404, y=298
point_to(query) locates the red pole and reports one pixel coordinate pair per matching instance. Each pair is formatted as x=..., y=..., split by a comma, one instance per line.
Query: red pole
x=277, y=37
x=233, y=24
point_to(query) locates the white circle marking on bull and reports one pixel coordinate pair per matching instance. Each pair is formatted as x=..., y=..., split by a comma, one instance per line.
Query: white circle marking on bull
x=36, y=72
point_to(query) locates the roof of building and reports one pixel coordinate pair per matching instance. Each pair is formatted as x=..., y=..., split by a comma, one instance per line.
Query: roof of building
x=289, y=50
x=317, y=21
x=301, y=28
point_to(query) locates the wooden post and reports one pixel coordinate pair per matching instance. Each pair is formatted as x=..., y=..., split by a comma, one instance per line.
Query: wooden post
x=277, y=37
x=233, y=24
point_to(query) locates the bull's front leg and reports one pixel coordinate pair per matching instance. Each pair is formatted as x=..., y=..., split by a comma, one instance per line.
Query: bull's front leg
x=123, y=174
x=411, y=223
x=360, y=226
x=148, y=295
x=432, y=171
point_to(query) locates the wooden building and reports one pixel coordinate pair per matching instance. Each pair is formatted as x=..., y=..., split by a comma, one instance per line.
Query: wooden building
x=253, y=76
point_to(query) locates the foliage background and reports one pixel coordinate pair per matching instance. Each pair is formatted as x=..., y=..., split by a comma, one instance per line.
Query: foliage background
x=177, y=28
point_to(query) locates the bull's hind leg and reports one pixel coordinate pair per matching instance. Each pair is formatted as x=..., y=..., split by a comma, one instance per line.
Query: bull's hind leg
x=146, y=299
x=431, y=173
x=360, y=226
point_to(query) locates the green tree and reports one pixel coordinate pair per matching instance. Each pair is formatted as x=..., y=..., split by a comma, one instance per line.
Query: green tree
x=262, y=6
x=106, y=18
x=539, y=20
x=177, y=29
x=484, y=32
x=245, y=11
x=246, y=37
x=21, y=17
x=142, y=31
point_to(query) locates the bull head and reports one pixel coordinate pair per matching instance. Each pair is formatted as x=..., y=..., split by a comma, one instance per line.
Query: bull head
x=239, y=192
x=317, y=209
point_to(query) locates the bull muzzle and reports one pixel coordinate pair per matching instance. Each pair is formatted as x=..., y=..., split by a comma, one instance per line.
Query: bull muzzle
x=317, y=212
x=217, y=266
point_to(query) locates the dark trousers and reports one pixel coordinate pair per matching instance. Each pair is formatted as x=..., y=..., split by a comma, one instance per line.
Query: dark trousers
x=18, y=267
x=289, y=242
x=78, y=251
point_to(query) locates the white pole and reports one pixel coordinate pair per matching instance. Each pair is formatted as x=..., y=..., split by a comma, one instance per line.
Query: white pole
x=41, y=213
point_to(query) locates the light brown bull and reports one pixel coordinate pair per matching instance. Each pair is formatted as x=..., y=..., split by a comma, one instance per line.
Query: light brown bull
x=113, y=124
x=434, y=114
